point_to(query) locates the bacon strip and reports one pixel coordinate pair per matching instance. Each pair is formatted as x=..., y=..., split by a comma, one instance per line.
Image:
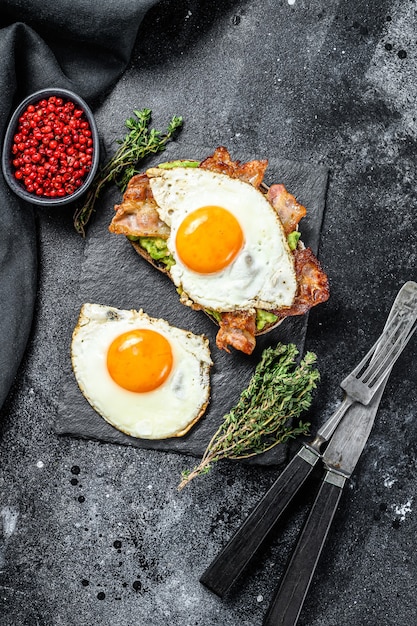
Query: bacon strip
x=237, y=329
x=137, y=215
x=313, y=285
x=220, y=161
x=290, y=212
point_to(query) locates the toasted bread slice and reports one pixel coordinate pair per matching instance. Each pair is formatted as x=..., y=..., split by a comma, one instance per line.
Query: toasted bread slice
x=237, y=328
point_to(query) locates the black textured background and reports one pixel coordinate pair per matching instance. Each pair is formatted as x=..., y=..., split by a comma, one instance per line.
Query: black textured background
x=97, y=533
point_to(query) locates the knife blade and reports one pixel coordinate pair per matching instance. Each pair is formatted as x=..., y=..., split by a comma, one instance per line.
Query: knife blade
x=349, y=440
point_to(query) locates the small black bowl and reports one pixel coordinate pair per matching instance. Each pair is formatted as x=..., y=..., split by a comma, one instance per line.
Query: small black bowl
x=7, y=157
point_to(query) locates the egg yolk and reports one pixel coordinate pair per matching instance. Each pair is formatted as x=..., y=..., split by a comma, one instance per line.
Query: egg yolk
x=139, y=360
x=208, y=239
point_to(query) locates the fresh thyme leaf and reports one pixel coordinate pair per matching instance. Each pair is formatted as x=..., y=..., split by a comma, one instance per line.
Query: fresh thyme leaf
x=138, y=143
x=268, y=410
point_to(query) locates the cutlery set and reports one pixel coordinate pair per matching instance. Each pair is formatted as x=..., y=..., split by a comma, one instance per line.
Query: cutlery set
x=343, y=437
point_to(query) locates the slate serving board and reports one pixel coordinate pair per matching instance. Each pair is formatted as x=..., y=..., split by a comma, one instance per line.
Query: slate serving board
x=115, y=275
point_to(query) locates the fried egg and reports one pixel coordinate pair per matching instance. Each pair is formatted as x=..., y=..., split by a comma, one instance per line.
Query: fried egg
x=229, y=246
x=143, y=376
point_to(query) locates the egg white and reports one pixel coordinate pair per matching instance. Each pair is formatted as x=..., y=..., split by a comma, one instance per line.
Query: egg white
x=168, y=411
x=262, y=275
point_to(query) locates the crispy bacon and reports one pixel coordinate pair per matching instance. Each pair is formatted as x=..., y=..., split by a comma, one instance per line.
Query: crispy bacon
x=290, y=212
x=137, y=214
x=237, y=329
x=313, y=285
x=251, y=172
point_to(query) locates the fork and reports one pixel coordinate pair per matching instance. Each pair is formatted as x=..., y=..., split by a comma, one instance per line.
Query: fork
x=359, y=386
x=365, y=379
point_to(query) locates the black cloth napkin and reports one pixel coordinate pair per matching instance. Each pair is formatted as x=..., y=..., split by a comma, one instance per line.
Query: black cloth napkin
x=72, y=44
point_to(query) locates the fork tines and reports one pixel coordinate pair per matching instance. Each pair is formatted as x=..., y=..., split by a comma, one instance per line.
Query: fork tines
x=363, y=382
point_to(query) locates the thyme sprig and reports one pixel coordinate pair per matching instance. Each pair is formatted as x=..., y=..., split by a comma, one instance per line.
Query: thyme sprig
x=279, y=391
x=138, y=143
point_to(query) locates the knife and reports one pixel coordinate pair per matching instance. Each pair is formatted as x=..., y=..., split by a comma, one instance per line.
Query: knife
x=340, y=459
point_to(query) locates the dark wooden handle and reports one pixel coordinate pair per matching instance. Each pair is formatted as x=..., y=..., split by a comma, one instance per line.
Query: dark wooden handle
x=234, y=557
x=287, y=603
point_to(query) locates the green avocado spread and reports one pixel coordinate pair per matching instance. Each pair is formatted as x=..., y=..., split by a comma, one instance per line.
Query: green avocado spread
x=215, y=314
x=157, y=249
x=169, y=165
x=293, y=239
x=263, y=318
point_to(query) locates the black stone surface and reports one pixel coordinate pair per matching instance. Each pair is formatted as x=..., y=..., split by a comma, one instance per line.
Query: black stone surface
x=97, y=533
x=113, y=274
